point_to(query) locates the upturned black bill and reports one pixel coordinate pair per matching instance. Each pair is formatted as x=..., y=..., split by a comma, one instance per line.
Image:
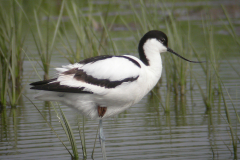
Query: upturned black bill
x=170, y=50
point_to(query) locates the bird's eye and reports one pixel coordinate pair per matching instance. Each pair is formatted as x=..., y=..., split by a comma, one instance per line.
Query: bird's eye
x=162, y=40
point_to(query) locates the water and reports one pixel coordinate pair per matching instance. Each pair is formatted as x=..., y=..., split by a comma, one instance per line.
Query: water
x=144, y=131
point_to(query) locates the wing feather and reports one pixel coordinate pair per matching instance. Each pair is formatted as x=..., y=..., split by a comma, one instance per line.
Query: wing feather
x=96, y=76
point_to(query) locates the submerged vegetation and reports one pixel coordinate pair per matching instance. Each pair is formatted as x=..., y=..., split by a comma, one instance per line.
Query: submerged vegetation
x=74, y=30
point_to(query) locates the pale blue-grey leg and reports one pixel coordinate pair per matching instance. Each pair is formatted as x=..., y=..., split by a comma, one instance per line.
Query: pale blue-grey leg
x=102, y=139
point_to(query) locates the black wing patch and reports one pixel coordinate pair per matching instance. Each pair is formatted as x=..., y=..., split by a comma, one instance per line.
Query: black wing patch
x=82, y=76
x=46, y=85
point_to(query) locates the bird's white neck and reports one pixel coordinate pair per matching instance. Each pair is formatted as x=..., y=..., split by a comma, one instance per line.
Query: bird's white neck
x=150, y=56
x=152, y=51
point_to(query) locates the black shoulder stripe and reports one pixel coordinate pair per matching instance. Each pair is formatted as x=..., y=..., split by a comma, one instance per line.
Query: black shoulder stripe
x=132, y=60
x=98, y=58
x=95, y=59
x=82, y=76
x=55, y=86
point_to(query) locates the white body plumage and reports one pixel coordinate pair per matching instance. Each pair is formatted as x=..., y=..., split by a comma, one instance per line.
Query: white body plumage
x=115, y=68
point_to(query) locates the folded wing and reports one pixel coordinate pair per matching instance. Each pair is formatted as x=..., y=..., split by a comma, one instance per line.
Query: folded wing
x=94, y=76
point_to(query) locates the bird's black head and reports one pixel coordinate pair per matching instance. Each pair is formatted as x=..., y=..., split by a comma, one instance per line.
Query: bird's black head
x=154, y=34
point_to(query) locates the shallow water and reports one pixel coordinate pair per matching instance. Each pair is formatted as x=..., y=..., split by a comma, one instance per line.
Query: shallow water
x=144, y=131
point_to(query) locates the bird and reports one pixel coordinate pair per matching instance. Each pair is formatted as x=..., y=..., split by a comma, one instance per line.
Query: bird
x=106, y=85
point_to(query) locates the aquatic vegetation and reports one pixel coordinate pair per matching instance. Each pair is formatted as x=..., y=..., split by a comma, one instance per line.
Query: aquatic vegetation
x=87, y=41
x=11, y=57
x=214, y=84
x=74, y=30
x=45, y=44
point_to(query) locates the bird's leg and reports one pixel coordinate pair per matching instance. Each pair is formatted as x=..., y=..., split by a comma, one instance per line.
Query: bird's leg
x=101, y=134
x=102, y=139
x=101, y=112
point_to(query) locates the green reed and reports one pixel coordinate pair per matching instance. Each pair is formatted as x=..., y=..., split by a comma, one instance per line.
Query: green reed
x=233, y=130
x=46, y=42
x=212, y=58
x=85, y=34
x=45, y=45
x=232, y=31
x=62, y=119
x=11, y=57
x=225, y=95
x=65, y=125
x=70, y=135
x=68, y=130
x=230, y=27
x=45, y=38
x=49, y=124
x=233, y=133
x=175, y=67
x=213, y=81
x=82, y=137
